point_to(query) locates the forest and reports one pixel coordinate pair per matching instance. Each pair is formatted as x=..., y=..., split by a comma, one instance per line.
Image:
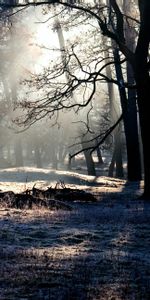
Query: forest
x=74, y=150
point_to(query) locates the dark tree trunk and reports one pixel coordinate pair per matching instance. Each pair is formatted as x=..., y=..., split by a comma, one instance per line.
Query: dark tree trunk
x=116, y=162
x=112, y=164
x=130, y=126
x=143, y=87
x=118, y=156
x=129, y=110
x=69, y=162
x=88, y=156
x=134, y=141
x=143, y=94
x=99, y=154
x=130, y=35
x=89, y=163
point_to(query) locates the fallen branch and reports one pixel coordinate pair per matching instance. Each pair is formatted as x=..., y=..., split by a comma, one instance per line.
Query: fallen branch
x=52, y=198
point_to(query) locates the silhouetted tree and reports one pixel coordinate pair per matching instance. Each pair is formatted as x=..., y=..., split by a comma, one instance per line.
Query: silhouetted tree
x=138, y=59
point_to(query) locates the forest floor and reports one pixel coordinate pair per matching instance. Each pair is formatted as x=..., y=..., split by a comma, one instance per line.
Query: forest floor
x=96, y=251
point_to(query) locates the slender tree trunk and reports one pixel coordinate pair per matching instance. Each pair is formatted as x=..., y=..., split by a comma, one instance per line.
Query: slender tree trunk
x=99, y=155
x=112, y=164
x=37, y=155
x=53, y=154
x=118, y=153
x=130, y=126
x=128, y=105
x=87, y=154
x=114, y=112
x=18, y=153
x=116, y=161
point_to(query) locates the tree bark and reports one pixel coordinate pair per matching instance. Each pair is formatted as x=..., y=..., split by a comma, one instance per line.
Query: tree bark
x=142, y=77
x=89, y=163
x=130, y=36
x=114, y=114
x=118, y=154
x=88, y=158
x=130, y=125
x=99, y=156
x=116, y=161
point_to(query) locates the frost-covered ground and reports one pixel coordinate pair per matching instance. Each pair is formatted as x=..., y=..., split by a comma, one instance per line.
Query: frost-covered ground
x=96, y=251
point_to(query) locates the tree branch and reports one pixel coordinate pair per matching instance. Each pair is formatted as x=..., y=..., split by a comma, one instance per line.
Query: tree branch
x=108, y=132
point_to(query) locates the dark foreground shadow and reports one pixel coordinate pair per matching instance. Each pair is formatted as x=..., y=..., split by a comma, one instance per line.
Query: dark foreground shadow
x=97, y=251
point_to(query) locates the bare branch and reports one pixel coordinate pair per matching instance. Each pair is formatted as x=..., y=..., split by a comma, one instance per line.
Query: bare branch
x=108, y=132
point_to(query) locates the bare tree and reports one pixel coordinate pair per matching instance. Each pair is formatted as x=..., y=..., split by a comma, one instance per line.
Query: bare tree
x=138, y=59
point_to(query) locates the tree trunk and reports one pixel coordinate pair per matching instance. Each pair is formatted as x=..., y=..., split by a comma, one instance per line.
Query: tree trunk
x=37, y=156
x=116, y=161
x=18, y=153
x=88, y=156
x=118, y=155
x=89, y=163
x=114, y=113
x=143, y=93
x=112, y=164
x=130, y=126
x=130, y=36
x=143, y=87
x=99, y=154
x=129, y=110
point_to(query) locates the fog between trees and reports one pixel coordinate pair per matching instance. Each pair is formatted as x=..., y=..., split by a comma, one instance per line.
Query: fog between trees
x=72, y=72
x=31, y=50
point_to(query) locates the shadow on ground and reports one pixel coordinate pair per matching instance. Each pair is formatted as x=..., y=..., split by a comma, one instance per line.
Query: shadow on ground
x=97, y=251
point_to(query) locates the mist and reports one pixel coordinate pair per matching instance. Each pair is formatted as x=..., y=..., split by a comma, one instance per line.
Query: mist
x=34, y=48
x=74, y=119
